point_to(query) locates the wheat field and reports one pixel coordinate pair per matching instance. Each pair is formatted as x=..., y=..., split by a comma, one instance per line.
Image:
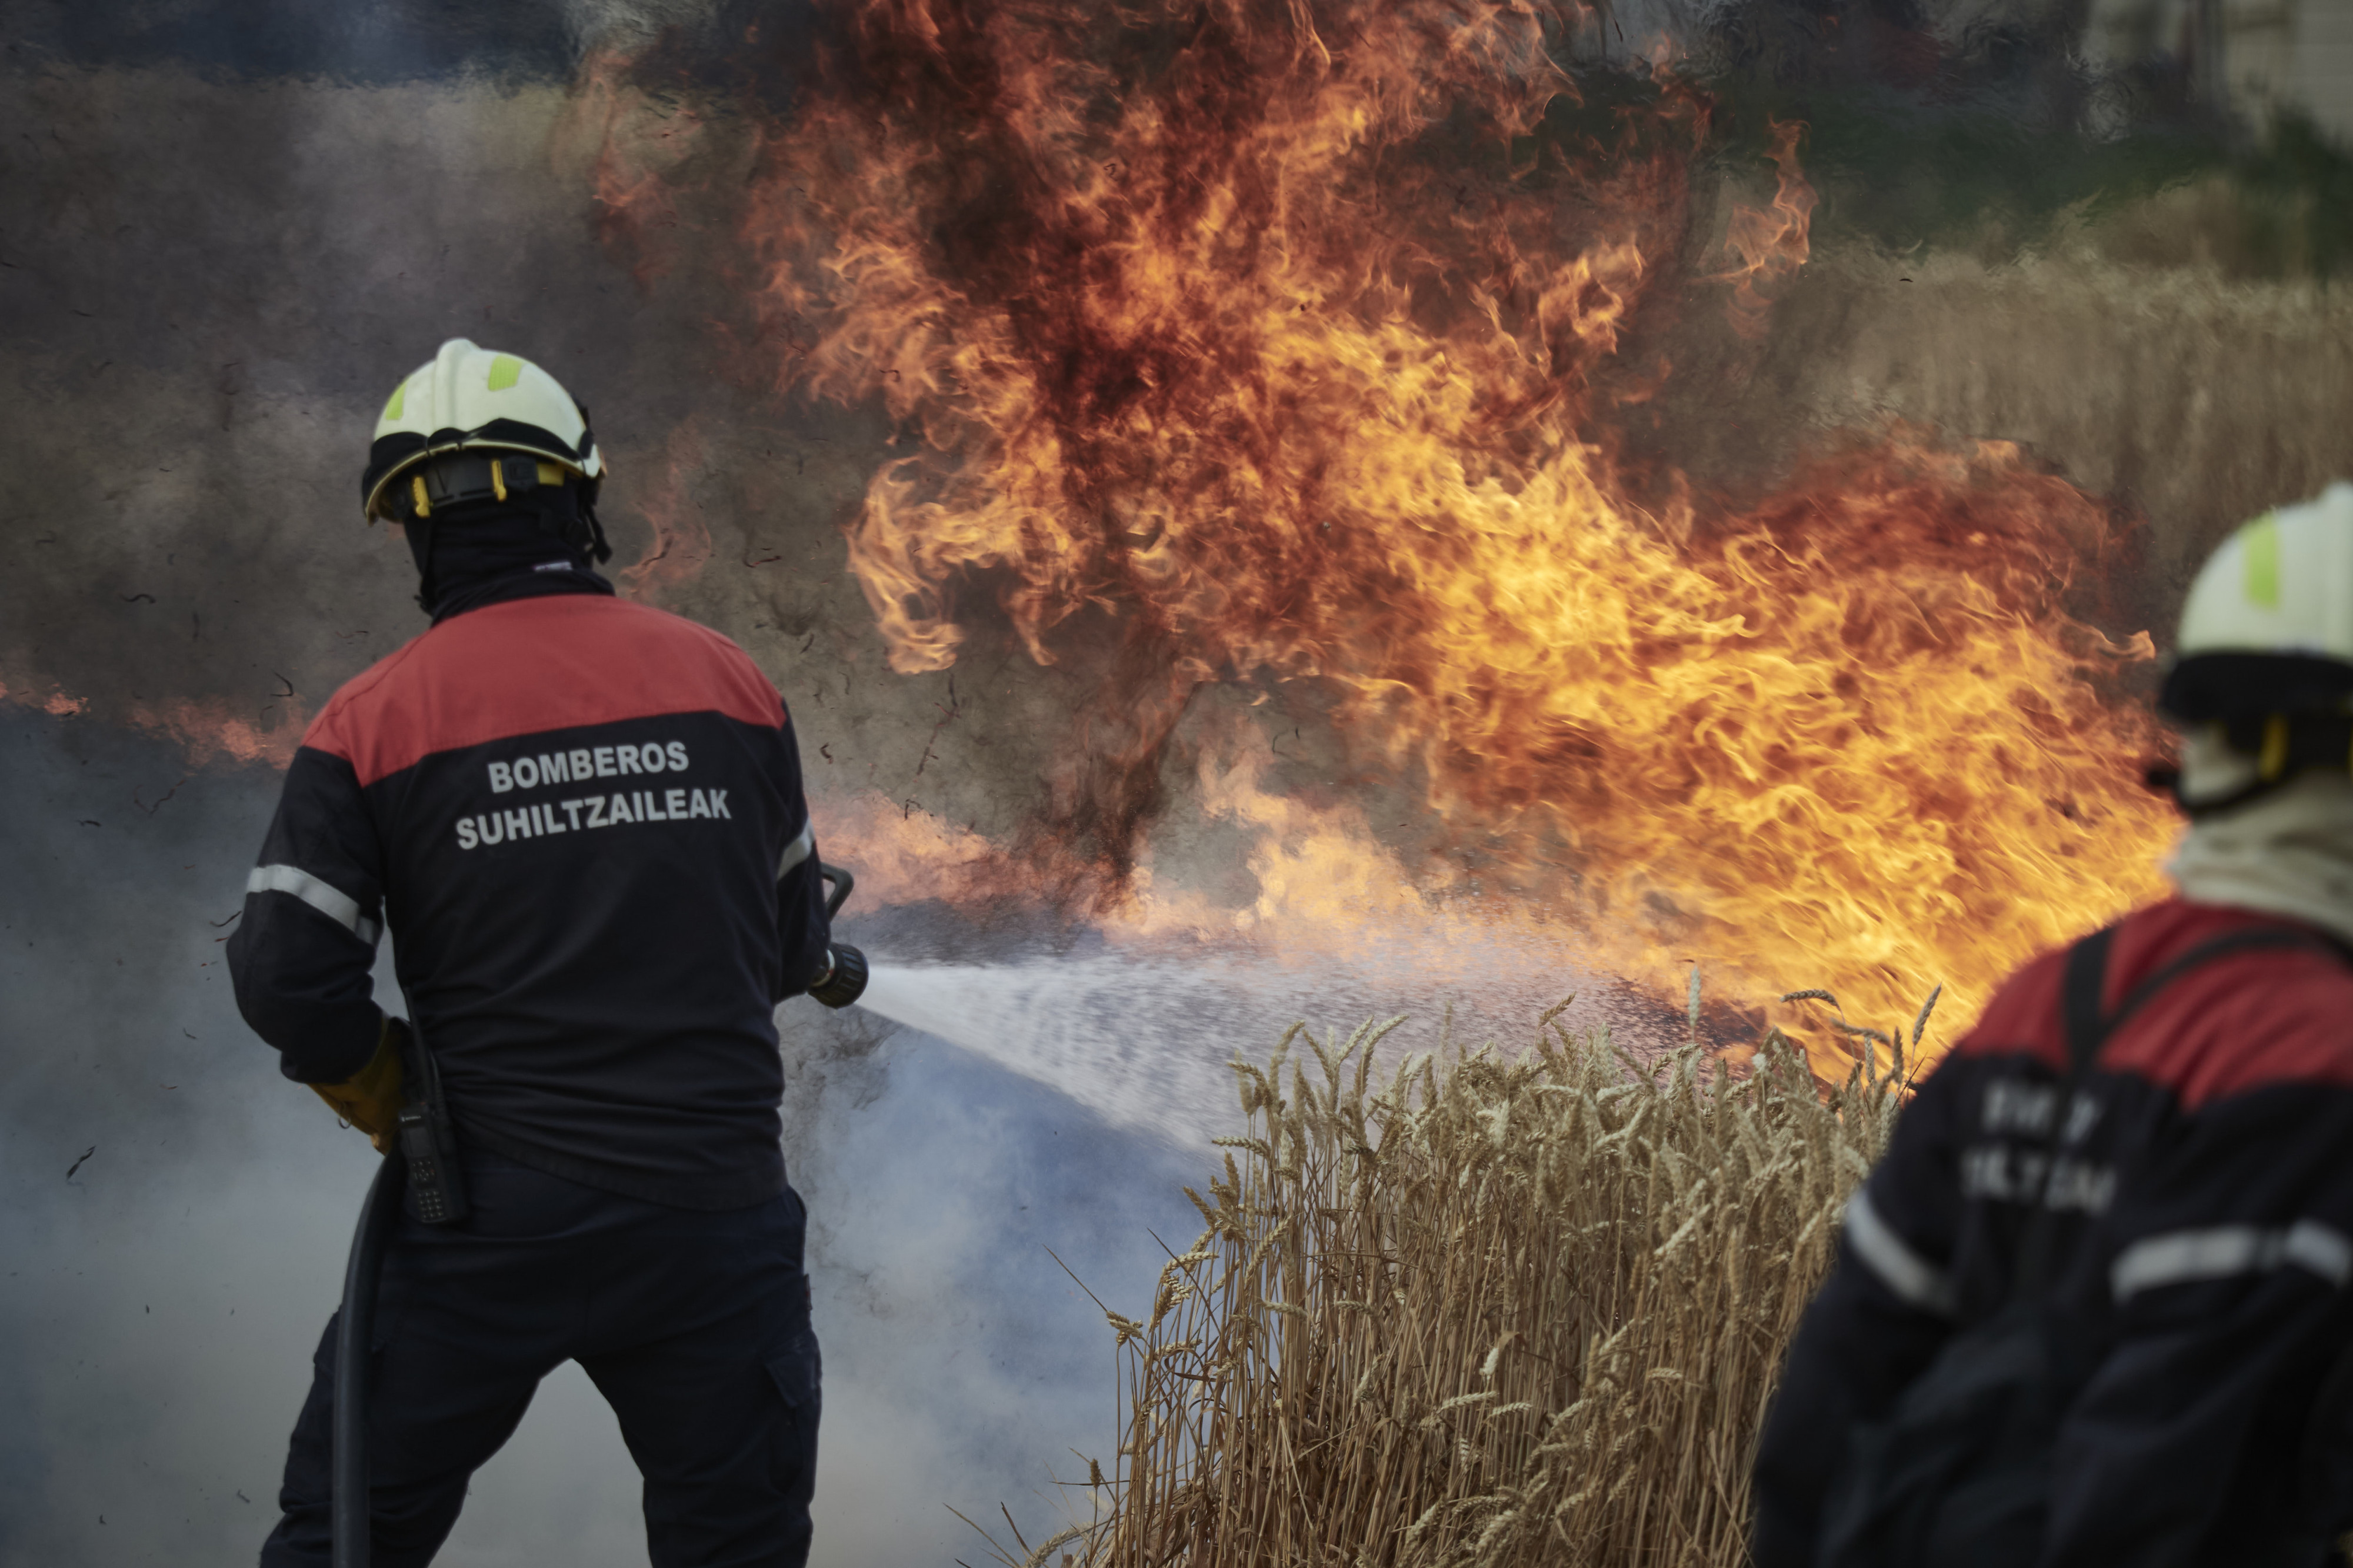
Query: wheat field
x=1480, y=1309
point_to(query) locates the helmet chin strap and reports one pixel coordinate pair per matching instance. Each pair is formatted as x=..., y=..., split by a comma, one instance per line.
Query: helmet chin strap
x=598, y=549
x=580, y=531
x=423, y=527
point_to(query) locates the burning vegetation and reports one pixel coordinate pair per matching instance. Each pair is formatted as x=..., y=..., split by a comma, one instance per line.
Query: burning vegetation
x=1258, y=344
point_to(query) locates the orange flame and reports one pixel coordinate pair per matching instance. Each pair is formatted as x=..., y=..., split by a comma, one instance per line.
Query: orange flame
x=1285, y=350
x=206, y=730
x=682, y=541
x=203, y=729
x=632, y=144
x=1770, y=243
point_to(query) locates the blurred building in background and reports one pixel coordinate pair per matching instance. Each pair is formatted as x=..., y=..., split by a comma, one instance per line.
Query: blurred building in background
x=2108, y=66
x=2256, y=60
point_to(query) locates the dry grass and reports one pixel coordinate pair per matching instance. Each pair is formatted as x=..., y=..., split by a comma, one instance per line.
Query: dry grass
x=1481, y=1310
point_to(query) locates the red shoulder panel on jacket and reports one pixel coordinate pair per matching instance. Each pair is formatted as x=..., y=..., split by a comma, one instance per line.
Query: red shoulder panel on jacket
x=533, y=664
x=2243, y=1022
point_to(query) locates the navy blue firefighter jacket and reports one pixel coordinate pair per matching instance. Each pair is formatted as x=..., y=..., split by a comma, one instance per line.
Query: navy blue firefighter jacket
x=582, y=820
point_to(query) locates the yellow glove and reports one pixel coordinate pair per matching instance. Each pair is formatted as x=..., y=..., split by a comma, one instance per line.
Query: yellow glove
x=370, y=1099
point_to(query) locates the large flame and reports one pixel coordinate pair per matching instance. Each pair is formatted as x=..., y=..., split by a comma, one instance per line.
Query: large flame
x=1287, y=336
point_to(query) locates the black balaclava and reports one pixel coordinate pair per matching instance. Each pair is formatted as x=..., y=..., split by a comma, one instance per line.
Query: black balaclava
x=488, y=551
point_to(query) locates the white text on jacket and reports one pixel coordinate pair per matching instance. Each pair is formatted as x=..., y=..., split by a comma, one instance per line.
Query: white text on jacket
x=595, y=811
x=585, y=763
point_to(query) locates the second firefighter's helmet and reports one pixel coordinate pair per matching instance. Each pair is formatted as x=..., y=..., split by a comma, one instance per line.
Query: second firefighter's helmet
x=513, y=421
x=2264, y=663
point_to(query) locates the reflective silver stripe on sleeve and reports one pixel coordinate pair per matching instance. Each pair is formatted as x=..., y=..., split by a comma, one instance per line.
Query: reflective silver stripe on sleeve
x=337, y=906
x=2321, y=1249
x=1912, y=1278
x=2220, y=1252
x=799, y=849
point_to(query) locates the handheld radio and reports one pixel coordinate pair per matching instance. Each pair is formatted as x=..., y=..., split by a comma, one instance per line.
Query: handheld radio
x=428, y=1140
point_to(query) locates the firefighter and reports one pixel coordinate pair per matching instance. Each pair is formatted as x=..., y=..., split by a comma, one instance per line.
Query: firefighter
x=581, y=820
x=2107, y=1324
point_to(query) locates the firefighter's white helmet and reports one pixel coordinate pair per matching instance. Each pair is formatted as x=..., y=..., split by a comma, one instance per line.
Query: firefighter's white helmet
x=475, y=399
x=2264, y=666
x=2282, y=584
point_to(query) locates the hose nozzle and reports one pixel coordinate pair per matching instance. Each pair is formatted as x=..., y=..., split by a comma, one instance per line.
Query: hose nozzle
x=843, y=979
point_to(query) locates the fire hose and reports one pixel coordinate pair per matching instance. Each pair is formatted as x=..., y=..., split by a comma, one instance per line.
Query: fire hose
x=424, y=1142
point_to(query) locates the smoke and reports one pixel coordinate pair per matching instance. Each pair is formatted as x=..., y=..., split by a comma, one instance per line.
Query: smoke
x=158, y=1296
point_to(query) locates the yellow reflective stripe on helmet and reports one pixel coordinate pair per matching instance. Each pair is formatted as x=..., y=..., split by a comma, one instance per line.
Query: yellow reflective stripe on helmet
x=399, y=396
x=505, y=371
x=2263, y=563
x=2272, y=763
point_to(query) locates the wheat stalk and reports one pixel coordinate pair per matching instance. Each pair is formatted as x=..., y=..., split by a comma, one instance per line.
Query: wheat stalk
x=1481, y=1312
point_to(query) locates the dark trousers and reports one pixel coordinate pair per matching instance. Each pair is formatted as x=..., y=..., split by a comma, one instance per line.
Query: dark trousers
x=695, y=1327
